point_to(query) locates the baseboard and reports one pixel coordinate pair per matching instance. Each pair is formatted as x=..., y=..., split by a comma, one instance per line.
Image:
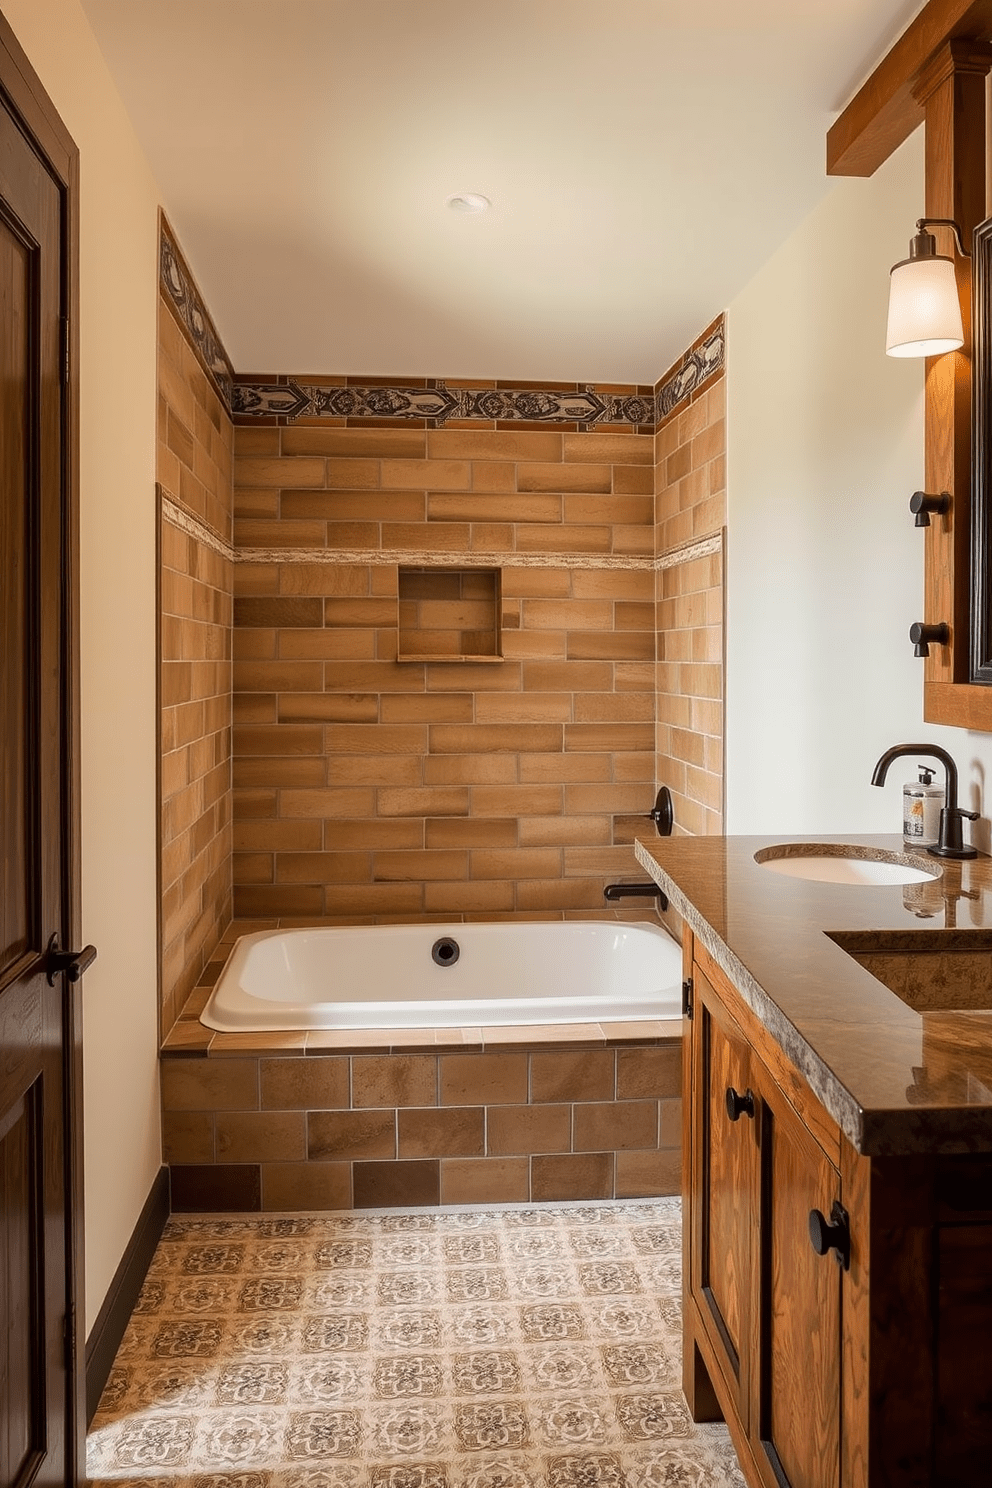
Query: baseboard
x=108, y=1330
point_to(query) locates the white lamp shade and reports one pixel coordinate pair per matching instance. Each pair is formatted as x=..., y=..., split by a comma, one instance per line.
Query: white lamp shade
x=924, y=311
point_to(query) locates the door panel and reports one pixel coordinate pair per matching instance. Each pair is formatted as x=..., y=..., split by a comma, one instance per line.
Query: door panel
x=800, y=1343
x=35, y=1220
x=725, y=1181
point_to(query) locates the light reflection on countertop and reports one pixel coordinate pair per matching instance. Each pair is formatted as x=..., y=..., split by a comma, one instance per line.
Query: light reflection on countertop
x=901, y=1071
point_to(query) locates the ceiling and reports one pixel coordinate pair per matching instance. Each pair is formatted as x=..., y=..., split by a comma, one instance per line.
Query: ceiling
x=643, y=160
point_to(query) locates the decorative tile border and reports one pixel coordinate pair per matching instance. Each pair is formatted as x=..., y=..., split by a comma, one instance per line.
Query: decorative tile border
x=694, y=368
x=689, y=552
x=187, y=305
x=437, y=404
x=193, y=527
x=179, y=517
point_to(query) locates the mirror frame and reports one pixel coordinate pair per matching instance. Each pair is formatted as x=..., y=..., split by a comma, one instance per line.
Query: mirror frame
x=981, y=443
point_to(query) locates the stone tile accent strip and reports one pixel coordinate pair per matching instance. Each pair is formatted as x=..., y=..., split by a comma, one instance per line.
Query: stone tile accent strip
x=186, y=303
x=515, y=1347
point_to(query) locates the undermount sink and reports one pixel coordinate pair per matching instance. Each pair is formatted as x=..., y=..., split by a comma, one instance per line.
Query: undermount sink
x=840, y=863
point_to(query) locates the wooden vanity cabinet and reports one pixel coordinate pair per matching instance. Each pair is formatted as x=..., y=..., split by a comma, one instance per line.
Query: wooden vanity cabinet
x=762, y=1308
x=875, y=1374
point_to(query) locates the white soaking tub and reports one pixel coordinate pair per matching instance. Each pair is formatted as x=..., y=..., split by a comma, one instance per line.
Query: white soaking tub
x=449, y=976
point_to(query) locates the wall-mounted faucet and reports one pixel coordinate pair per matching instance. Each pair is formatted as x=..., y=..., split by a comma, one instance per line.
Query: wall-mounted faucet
x=616, y=891
x=949, y=843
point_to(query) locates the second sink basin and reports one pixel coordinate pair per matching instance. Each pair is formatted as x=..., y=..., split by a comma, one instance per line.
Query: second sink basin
x=840, y=863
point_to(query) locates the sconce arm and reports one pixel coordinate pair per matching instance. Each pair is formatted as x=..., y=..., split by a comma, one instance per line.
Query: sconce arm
x=924, y=222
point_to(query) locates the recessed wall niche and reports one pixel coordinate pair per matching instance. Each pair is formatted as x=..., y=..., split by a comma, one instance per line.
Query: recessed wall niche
x=449, y=614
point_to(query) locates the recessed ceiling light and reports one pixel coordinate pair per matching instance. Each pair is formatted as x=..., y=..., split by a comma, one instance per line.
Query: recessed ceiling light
x=469, y=201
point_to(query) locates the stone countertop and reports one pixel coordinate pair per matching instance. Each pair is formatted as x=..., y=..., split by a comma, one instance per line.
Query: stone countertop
x=898, y=1079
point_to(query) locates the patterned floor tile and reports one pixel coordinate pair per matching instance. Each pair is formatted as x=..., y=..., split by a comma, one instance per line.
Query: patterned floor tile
x=536, y=1347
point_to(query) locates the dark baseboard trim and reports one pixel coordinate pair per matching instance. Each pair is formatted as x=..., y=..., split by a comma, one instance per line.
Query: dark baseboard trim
x=114, y=1315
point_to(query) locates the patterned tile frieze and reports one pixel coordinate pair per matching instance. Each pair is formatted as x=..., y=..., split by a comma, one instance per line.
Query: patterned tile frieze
x=239, y=1368
x=437, y=404
x=188, y=307
x=692, y=371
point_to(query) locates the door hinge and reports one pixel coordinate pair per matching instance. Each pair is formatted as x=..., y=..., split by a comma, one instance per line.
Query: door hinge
x=64, y=349
x=687, y=998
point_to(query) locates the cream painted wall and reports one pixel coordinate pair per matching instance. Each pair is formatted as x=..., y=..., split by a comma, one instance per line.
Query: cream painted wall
x=825, y=567
x=118, y=273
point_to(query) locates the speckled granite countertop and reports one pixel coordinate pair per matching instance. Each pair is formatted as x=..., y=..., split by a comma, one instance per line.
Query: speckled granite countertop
x=897, y=1078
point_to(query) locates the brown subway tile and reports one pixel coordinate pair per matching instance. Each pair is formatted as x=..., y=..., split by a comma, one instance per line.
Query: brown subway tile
x=208, y=1085
x=215, y=1188
x=188, y=1136
x=564, y=831
x=642, y=1175
x=421, y=867
x=515, y=863
x=394, y=1080
x=536, y=769
x=493, y=1079
x=344, y=444
x=470, y=769
x=438, y=801
x=570, y=477
x=306, y=1185
x=385, y=1184
x=264, y=899
x=357, y=769
x=615, y=1125
x=304, y=1084
x=261, y=1136
x=453, y=707
x=451, y=1131
x=375, y=899
x=347, y=1135
x=527, y=1129
x=344, y=836
x=463, y=832
x=320, y=707
x=521, y=800
x=611, y=645
x=468, y=898
x=465, y=444
x=272, y=471
x=487, y=1180
x=587, y=1075
x=489, y=738
x=587, y=1175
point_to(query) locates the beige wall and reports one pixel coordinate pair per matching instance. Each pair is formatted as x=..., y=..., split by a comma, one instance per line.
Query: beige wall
x=825, y=447
x=119, y=242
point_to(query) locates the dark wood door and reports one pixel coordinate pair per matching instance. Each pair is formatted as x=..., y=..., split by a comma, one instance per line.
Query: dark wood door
x=725, y=1183
x=37, y=1386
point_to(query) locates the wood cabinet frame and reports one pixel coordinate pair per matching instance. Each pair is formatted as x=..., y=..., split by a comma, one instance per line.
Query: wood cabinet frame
x=935, y=74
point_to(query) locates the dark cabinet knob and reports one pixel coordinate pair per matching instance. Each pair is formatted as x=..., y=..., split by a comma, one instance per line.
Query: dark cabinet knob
x=922, y=503
x=72, y=963
x=739, y=1105
x=921, y=635
x=833, y=1234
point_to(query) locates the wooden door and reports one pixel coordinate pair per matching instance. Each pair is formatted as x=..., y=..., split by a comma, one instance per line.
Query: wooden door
x=796, y=1420
x=724, y=1182
x=38, y=1143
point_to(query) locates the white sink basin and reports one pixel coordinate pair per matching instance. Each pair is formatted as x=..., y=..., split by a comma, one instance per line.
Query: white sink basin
x=835, y=862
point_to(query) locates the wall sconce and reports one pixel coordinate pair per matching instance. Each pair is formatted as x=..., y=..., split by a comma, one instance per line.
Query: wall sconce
x=924, y=309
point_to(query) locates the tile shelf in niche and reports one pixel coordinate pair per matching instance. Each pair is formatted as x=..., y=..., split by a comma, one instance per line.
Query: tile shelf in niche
x=449, y=614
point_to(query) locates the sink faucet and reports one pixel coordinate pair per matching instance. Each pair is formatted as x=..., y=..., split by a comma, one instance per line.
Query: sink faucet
x=949, y=839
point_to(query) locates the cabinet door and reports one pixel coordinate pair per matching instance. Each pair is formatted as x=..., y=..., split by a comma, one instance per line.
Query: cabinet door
x=796, y=1413
x=724, y=1176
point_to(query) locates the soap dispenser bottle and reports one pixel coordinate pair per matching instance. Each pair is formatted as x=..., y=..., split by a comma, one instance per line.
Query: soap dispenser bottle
x=921, y=803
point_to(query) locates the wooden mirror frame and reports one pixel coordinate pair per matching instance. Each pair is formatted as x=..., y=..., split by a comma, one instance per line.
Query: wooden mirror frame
x=981, y=427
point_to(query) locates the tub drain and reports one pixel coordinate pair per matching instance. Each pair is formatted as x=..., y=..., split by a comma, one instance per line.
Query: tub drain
x=445, y=951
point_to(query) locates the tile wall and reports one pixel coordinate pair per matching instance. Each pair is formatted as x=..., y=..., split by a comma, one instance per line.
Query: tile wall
x=196, y=572
x=367, y=786
x=691, y=510
x=323, y=1126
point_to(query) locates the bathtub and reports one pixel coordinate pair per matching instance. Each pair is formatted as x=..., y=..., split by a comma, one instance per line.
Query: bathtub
x=448, y=976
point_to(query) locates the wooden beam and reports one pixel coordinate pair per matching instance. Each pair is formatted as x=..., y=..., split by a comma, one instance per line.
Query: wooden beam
x=885, y=111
